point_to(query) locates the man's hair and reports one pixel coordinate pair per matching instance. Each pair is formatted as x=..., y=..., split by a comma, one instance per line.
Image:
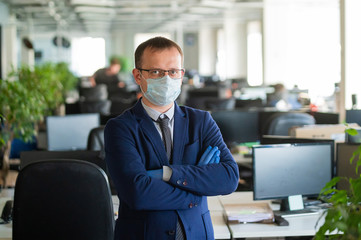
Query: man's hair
x=114, y=61
x=157, y=43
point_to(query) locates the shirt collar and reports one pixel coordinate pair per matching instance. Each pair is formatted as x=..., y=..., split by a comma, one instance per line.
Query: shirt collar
x=155, y=114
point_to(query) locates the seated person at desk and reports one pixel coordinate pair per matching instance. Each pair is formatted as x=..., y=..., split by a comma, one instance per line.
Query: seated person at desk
x=165, y=159
x=281, y=99
x=108, y=76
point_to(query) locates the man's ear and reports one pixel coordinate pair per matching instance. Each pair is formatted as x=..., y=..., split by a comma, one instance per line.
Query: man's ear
x=136, y=75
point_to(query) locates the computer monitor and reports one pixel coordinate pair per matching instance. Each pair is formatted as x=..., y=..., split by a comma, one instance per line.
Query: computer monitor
x=282, y=171
x=237, y=126
x=343, y=166
x=353, y=116
x=70, y=132
x=326, y=117
x=273, y=139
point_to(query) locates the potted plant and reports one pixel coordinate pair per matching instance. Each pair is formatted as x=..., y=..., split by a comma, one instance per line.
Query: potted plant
x=26, y=97
x=343, y=217
x=20, y=109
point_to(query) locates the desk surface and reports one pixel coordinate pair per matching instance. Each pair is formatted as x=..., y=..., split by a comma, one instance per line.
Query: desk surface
x=298, y=225
x=241, y=159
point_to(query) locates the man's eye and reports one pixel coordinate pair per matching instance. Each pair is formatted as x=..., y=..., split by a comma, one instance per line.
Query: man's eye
x=173, y=72
x=154, y=72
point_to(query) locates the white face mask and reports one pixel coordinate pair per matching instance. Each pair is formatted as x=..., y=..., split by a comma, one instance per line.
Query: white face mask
x=162, y=91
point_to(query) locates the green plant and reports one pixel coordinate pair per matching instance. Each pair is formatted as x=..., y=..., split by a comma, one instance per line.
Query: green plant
x=26, y=97
x=344, y=216
x=49, y=79
x=65, y=76
x=20, y=109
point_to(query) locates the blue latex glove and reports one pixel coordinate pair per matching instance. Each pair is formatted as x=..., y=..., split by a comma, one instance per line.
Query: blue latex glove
x=210, y=155
x=156, y=174
x=215, y=158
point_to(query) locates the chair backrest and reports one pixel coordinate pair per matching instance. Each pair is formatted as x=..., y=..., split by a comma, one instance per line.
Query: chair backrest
x=96, y=139
x=96, y=93
x=281, y=124
x=96, y=143
x=99, y=106
x=62, y=199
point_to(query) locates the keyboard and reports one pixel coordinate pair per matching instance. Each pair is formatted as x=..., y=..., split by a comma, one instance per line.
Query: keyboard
x=295, y=213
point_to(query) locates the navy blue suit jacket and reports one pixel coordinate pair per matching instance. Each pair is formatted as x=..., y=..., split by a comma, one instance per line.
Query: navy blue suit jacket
x=149, y=207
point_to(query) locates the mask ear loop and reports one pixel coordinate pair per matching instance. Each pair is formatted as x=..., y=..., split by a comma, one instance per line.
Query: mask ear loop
x=141, y=89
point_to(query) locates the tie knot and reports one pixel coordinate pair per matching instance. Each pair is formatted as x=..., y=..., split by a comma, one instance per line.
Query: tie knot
x=163, y=121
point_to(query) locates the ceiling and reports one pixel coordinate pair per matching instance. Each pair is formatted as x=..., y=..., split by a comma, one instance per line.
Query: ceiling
x=103, y=16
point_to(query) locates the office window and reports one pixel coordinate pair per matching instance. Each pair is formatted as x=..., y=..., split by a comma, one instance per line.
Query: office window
x=254, y=54
x=302, y=44
x=88, y=55
x=352, y=51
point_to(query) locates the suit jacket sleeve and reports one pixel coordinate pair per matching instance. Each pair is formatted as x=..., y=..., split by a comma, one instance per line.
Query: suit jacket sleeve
x=211, y=179
x=128, y=156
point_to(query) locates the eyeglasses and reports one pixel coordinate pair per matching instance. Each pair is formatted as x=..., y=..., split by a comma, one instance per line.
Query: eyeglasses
x=158, y=73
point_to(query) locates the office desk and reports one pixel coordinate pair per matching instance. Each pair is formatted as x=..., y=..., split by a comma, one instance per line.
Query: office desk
x=242, y=160
x=221, y=230
x=298, y=226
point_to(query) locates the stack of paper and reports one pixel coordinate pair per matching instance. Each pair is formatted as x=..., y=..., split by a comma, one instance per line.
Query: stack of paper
x=252, y=212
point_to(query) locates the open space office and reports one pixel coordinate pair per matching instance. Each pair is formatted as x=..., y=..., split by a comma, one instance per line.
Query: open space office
x=237, y=56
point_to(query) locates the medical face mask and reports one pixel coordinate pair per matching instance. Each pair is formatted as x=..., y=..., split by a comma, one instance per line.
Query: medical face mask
x=162, y=91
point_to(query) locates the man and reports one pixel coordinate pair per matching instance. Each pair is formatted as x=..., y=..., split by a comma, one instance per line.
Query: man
x=162, y=185
x=108, y=76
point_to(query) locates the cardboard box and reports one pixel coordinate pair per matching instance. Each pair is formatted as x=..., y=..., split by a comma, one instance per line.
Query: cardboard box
x=323, y=131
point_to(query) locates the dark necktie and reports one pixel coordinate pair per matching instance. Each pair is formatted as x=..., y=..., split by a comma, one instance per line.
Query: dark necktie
x=164, y=127
x=163, y=122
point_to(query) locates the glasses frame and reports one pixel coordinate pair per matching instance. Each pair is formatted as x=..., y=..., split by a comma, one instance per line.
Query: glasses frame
x=164, y=71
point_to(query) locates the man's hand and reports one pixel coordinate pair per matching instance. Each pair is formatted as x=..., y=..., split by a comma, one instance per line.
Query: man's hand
x=211, y=155
x=157, y=173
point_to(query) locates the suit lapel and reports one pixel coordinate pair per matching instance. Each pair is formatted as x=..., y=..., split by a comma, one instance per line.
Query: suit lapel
x=149, y=130
x=179, y=134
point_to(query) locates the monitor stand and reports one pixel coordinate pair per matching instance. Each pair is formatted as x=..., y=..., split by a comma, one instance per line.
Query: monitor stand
x=293, y=206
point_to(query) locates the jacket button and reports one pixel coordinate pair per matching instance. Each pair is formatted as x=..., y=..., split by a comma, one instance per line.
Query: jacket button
x=179, y=182
x=185, y=183
x=190, y=205
x=171, y=232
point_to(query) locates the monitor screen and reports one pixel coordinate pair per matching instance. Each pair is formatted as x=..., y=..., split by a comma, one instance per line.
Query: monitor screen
x=237, y=126
x=70, y=132
x=353, y=116
x=272, y=139
x=343, y=166
x=284, y=170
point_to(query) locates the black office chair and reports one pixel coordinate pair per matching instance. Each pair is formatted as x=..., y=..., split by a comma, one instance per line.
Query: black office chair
x=62, y=199
x=96, y=93
x=96, y=139
x=120, y=105
x=94, y=100
x=100, y=106
x=96, y=143
x=280, y=124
